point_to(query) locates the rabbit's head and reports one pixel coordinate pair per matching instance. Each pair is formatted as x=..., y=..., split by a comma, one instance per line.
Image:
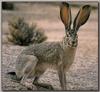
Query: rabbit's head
x=80, y=19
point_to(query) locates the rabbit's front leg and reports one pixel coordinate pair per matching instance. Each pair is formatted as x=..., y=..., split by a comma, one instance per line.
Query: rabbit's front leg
x=62, y=77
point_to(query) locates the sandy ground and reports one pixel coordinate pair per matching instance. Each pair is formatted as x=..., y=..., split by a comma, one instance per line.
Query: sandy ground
x=83, y=74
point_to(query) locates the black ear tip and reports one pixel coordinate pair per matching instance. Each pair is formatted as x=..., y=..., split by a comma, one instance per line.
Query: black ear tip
x=65, y=3
x=86, y=6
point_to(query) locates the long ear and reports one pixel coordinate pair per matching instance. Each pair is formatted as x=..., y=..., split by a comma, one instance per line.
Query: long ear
x=82, y=17
x=65, y=14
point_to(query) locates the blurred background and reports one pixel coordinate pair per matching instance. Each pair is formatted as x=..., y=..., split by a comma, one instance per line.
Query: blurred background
x=45, y=16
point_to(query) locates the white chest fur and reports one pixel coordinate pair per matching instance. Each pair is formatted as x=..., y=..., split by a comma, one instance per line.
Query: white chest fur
x=68, y=56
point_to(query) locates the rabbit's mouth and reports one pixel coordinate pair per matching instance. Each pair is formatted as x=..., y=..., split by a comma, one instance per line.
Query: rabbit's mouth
x=73, y=45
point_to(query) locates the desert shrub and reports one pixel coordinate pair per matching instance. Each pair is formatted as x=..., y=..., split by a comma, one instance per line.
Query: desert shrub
x=23, y=34
x=7, y=6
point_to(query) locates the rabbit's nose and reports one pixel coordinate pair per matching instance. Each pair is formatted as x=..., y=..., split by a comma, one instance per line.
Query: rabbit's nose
x=73, y=42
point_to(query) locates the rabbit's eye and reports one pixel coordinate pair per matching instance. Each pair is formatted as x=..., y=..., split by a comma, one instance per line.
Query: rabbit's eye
x=67, y=35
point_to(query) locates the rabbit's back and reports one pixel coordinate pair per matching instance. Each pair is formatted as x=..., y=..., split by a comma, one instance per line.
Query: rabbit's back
x=45, y=52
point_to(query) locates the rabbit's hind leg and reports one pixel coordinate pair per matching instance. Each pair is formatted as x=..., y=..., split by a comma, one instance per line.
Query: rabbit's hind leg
x=41, y=86
x=29, y=70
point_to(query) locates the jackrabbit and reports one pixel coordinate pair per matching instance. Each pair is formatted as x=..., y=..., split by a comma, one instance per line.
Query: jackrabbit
x=34, y=60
